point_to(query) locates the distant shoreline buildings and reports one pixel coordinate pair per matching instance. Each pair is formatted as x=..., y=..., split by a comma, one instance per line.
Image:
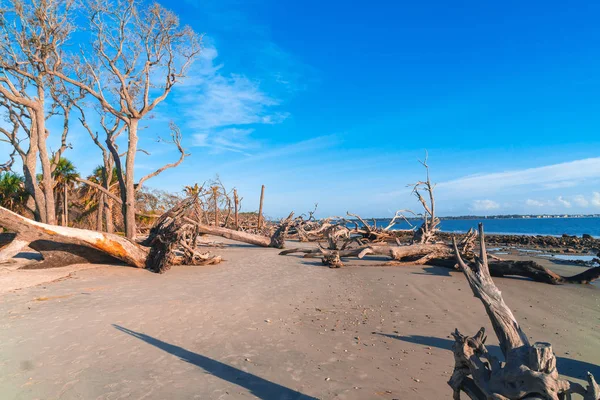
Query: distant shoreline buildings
x=527, y=216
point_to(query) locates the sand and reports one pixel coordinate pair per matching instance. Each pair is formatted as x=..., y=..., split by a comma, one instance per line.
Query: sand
x=265, y=326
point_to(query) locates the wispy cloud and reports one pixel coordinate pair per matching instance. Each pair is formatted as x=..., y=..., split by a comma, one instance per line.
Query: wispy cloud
x=484, y=205
x=228, y=139
x=563, y=202
x=581, y=201
x=220, y=107
x=546, y=177
x=596, y=199
x=304, y=146
x=536, y=203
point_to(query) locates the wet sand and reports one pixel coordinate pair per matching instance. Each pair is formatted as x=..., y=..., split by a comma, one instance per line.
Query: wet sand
x=266, y=326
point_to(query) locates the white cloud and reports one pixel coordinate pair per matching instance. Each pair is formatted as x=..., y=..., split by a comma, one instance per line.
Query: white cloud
x=564, y=202
x=221, y=105
x=535, y=203
x=581, y=201
x=547, y=177
x=484, y=205
x=596, y=199
x=228, y=139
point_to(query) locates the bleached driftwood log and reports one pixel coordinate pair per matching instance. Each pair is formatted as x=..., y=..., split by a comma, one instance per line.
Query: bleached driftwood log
x=116, y=246
x=277, y=240
x=172, y=239
x=529, y=371
x=442, y=255
x=172, y=242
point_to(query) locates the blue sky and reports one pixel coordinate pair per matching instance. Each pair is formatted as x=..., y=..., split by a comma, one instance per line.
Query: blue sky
x=333, y=102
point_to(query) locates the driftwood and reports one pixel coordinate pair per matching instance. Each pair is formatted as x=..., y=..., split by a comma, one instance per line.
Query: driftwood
x=529, y=371
x=277, y=240
x=171, y=242
x=172, y=239
x=116, y=246
x=428, y=230
x=442, y=255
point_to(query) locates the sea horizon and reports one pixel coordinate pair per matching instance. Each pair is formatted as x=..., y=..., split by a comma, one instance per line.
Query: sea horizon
x=556, y=226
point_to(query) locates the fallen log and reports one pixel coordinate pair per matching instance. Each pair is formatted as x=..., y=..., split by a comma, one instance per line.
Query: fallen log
x=13, y=248
x=172, y=242
x=116, y=246
x=277, y=240
x=529, y=371
x=442, y=255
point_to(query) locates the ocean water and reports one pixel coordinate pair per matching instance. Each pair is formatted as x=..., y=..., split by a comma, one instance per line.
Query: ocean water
x=530, y=226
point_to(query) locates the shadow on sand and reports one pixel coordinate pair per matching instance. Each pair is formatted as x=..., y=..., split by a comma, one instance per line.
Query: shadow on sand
x=259, y=387
x=566, y=366
x=432, y=270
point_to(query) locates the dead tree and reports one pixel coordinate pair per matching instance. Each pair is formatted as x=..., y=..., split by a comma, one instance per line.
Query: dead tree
x=106, y=197
x=442, y=255
x=113, y=245
x=138, y=55
x=260, y=207
x=32, y=35
x=172, y=242
x=276, y=240
x=529, y=371
x=430, y=226
x=236, y=202
x=172, y=239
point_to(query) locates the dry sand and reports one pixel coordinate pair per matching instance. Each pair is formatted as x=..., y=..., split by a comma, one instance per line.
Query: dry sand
x=265, y=326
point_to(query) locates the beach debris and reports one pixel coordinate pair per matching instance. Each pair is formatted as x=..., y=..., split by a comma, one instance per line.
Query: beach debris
x=172, y=241
x=530, y=369
x=276, y=240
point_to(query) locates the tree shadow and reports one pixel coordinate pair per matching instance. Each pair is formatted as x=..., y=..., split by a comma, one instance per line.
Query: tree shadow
x=259, y=387
x=438, y=271
x=565, y=366
x=316, y=263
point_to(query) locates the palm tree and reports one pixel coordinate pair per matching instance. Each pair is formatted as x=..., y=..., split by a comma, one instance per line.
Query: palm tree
x=12, y=191
x=65, y=175
x=192, y=190
x=95, y=200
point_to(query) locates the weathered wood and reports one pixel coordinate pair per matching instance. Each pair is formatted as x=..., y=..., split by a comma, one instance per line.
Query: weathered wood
x=236, y=203
x=172, y=242
x=529, y=371
x=238, y=236
x=57, y=255
x=113, y=245
x=13, y=248
x=260, y=207
x=332, y=259
x=442, y=255
x=277, y=240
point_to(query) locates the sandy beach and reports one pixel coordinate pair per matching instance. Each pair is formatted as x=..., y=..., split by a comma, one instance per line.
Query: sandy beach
x=266, y=326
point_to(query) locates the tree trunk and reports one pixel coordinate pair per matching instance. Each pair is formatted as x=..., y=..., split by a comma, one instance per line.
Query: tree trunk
x=113, y=245
x=260, y=207
x=47, y=181
x=129, y=200
x=277, y=240
x=529, y=371
x=238, y=236
x=216, y=205
x=30, y=176
x=66, y=205
x=13, y=248
x=108, y=215
x=100, y=213
x=236, y=205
